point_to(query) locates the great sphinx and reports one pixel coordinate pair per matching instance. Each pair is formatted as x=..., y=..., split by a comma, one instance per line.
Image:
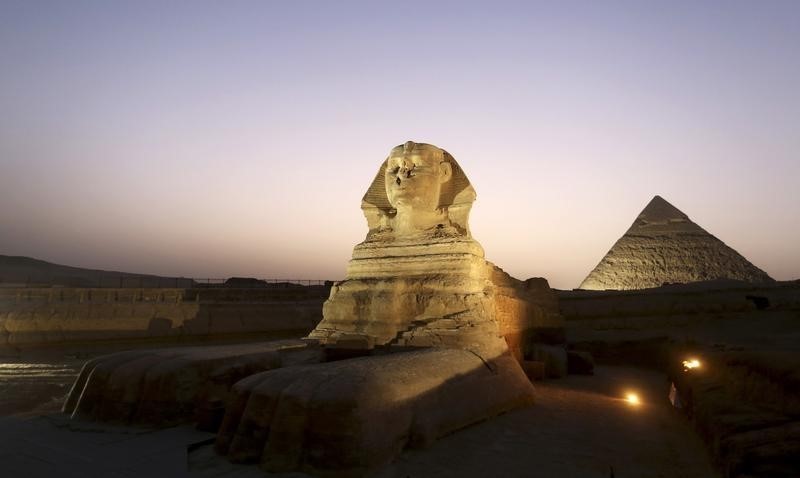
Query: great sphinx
x=423, y=337
x=420, y=279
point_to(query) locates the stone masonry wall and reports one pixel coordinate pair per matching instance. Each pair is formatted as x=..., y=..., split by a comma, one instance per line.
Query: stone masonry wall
x=35, y=316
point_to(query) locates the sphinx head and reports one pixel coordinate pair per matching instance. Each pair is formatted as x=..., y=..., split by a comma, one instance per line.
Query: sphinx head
x=418, y=187
x=414, y=176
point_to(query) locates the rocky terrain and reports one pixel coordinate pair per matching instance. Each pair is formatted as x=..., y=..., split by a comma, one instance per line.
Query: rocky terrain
x=744, y=398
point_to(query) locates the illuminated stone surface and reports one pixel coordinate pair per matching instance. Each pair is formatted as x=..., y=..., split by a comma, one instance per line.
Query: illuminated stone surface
x=163, y=387
x=442, y=328
x=420, y=279
x=353, y=416
x=664, y=246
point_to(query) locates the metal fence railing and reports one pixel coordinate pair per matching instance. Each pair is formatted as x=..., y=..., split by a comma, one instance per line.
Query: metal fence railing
x=150, y=282
x=247, y=283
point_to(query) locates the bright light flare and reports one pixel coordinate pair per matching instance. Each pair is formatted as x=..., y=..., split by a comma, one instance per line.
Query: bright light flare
x=632, y=399
x=690, y=364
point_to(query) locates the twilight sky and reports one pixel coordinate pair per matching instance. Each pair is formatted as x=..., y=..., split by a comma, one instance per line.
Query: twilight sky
x=212, y=139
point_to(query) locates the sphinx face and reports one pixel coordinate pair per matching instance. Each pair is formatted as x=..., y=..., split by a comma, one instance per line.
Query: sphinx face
x=414, y=179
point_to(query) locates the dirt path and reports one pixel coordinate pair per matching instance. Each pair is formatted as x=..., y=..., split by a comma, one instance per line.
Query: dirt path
x=580, y=427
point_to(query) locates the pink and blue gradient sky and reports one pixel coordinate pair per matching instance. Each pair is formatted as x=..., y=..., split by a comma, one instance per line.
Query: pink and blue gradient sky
x=237, y=138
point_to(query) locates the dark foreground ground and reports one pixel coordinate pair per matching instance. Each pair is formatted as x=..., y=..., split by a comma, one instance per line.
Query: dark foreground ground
x=580, y=427
x=36, y=381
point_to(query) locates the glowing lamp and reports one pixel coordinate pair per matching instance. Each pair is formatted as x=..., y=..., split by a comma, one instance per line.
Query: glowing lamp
x=690, y=364
x=632, y=399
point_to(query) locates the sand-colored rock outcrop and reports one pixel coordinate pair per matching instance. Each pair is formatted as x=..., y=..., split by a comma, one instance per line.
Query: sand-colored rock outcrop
x=163, y=387
x=420, y=279
x=664, y=246
x=349, y=417
x=744, y=398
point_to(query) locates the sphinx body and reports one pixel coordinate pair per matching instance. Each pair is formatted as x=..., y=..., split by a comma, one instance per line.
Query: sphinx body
x=429, y=320
x=420, y=279
x=418, y=285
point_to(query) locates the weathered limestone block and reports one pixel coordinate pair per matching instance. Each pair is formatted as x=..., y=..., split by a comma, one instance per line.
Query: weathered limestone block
x=349, y=417
x=43, y=315
x=168, y=386
x=420, y=279
x=554, y=358
x=744, y=404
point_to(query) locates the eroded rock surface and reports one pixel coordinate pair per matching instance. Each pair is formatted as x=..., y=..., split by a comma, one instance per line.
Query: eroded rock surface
x=350, y=417
x=420, y=279
x=664, y=246
x=743, y=398
x=163, y=387
x=745, y=404
x=31, y=317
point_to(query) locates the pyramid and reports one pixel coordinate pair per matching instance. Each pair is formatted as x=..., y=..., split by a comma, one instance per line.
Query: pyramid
x=664, y=246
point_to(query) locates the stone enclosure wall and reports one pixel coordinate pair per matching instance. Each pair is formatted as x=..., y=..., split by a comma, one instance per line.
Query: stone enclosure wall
x=640, y=326
x=36, y=316
x=672, y=306
x=744, y=400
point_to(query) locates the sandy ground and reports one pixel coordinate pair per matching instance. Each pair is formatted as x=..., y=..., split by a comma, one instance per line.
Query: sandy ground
x=580, y=427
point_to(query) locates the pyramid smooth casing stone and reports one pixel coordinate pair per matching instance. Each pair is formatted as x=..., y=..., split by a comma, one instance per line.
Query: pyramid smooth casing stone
x=663, y=246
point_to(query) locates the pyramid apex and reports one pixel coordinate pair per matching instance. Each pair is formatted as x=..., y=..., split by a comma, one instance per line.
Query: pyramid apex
x=659, y=210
